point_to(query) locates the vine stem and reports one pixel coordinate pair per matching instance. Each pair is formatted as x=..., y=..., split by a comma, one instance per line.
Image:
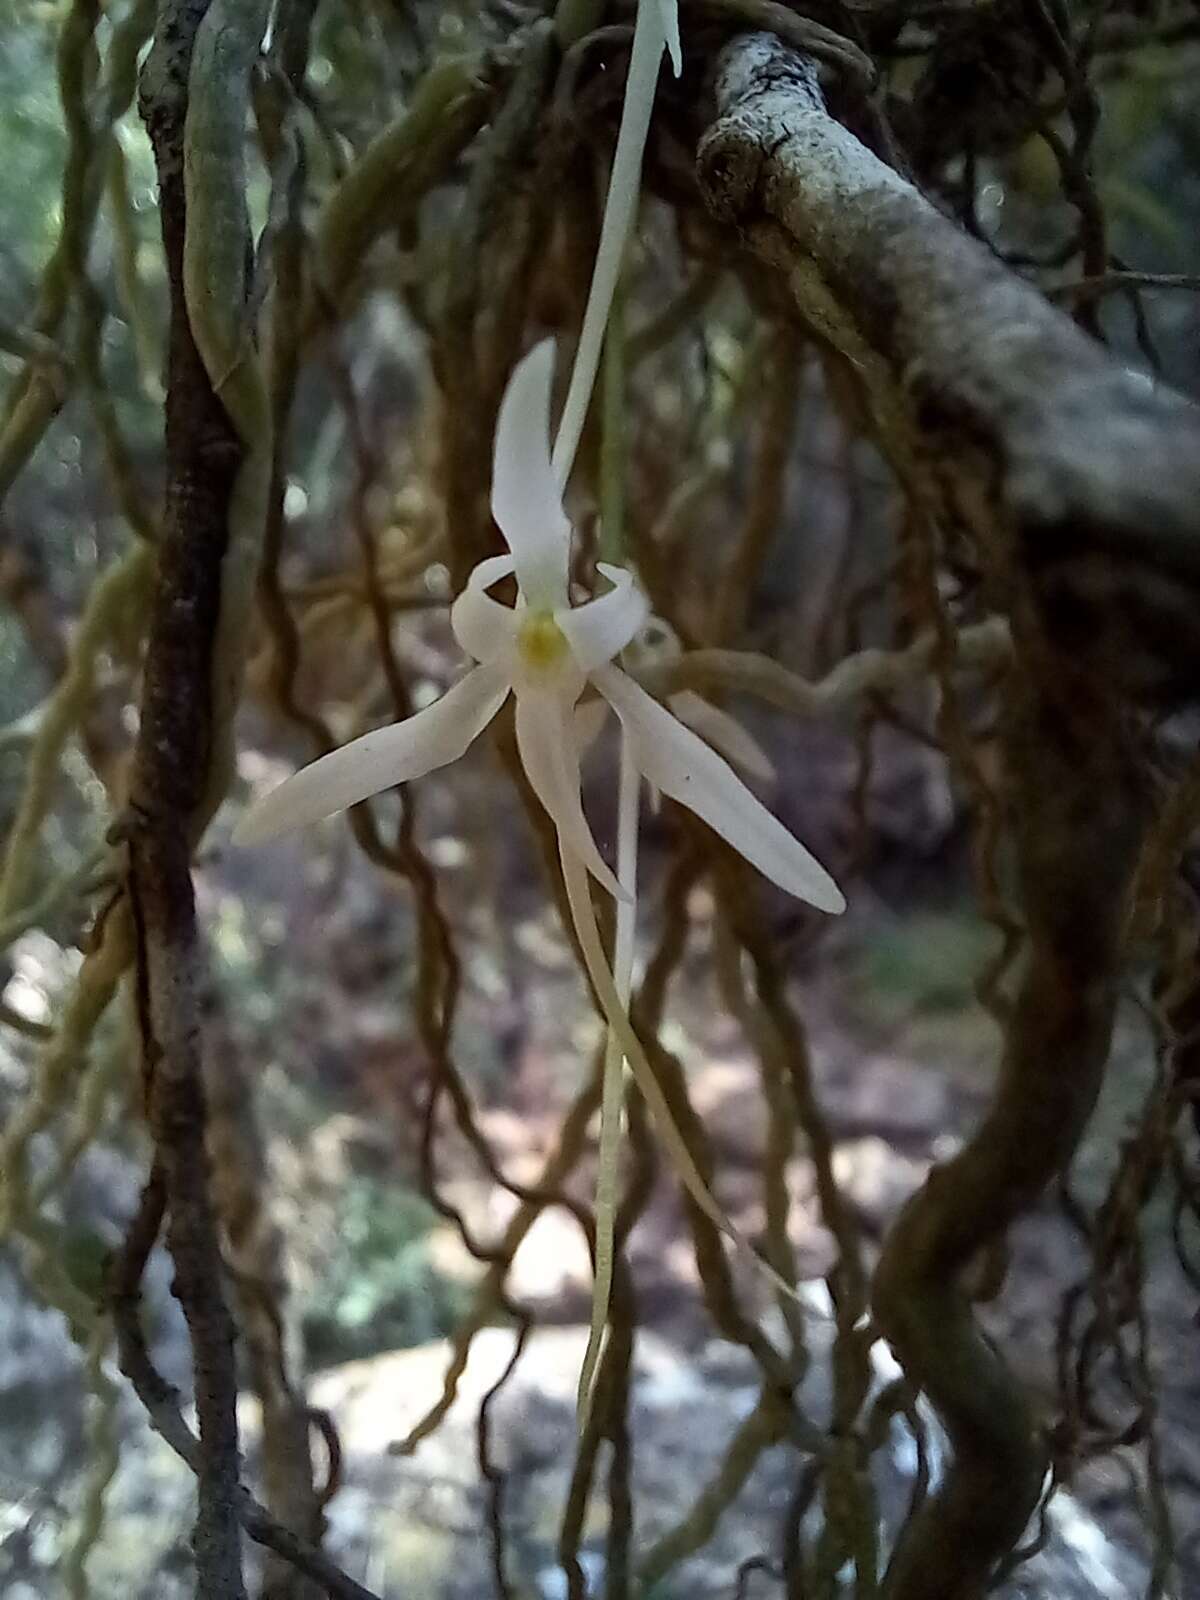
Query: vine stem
x=583, y=917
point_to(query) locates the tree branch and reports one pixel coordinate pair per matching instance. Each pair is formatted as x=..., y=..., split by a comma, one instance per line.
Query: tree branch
x=1076, y=795
x=191, y=657
x=996, y=410
x=984, y=646
x=1080, y=481
x=123, y=1294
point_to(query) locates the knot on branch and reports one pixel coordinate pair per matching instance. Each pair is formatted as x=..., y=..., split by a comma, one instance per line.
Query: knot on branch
x=729, y=164
x=766, y=86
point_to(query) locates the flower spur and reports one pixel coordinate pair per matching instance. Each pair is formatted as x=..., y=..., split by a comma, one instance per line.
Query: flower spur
x=544, y=651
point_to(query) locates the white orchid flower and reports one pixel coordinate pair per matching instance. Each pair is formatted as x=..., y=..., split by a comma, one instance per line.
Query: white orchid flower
x=544, y=651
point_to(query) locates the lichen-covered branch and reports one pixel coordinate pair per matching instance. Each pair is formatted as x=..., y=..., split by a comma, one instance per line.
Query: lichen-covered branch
x=997, y=411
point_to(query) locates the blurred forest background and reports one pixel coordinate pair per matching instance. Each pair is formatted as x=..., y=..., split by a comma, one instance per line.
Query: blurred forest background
x=400, y=1051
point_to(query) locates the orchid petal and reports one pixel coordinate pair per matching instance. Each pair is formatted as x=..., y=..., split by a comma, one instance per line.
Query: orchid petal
x=526, y=500
x=602, y=628
x=590, y=716
x=550, y=756
x=677, y=761
x=486, y=629
x=724, y=733
x=386, y=756
x=668, y=11
x=619, y=206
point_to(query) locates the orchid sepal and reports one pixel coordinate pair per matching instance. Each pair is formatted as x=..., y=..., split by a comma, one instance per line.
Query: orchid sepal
x=679, y=764
x=379, y=760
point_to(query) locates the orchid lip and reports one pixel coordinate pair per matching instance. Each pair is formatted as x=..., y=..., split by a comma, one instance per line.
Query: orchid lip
x=541, y=643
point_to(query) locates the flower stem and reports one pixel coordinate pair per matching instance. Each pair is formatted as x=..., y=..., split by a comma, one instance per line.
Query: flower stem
x=614, y=230
x=613, y=1093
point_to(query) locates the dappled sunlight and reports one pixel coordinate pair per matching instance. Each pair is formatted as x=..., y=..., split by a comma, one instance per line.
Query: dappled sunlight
x=598, y=907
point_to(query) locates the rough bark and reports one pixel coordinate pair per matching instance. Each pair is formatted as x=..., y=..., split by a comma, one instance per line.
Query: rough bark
x=256, y=1260
x=995, y=408
x=1073, y=774
x=170, y=770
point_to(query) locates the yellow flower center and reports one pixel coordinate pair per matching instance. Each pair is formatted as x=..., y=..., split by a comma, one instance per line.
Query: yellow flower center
x=541, y=642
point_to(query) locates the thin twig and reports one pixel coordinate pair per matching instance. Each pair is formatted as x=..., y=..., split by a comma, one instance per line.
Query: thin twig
x=1103, y=283
x=984, y=645
x=123, y=1294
